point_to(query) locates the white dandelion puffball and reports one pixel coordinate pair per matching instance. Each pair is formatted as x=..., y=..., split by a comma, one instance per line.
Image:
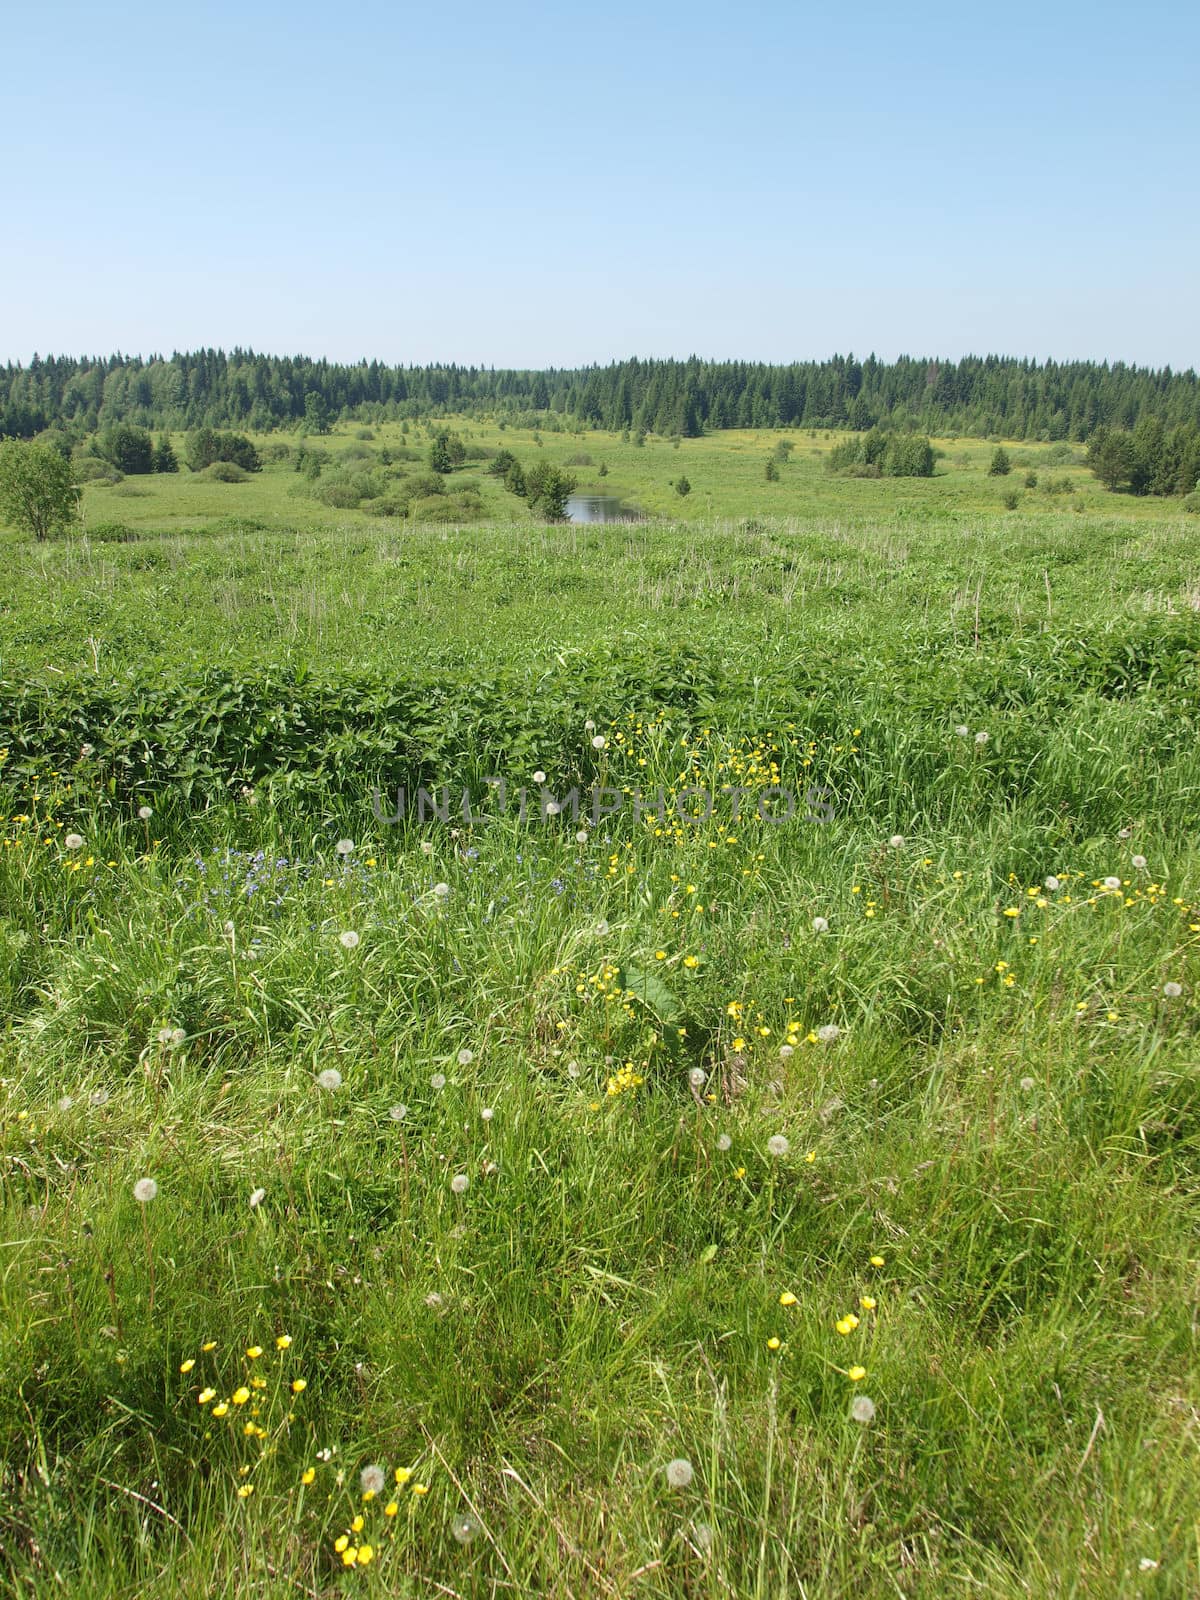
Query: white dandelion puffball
x=679, y=1473
x=65, y=1103
x=962, y=730
x=820, y=924
x=488, y=1113
x=330, y=1079
x=1172, y=990
x=786, y=1052
x=145, y=1190
x=98, y=1097
x=981, y=737
x=828, y=1032
x=1123, y=833
x=348, y=940
x=372, y=1480
x=465, y=1057
x=697, y=1077
x=145, y=813
x=398, y=1113
x=344, y=847
x=87, y=749
x=1138, y=861
x=552, y=808
x=723, y=1141
x=164, y=1035
x=426, y=847
x=539, y=777
x=438, y=1081
x=602, y=929
x=862, y=1408
x=1112, y=883
x=458, y=1183
x=572, y=1069
x=777, y=1145
x=73, y=841
x=1027, y=1084
x=588, y=726
x=441, y=890
x=229, y=929
x=581, y=837
x=257, y=1198
x=1052, y=883
x=464, y=1528
x=896, y=841
x=598, y=741
x=177, y=1038
x=702, y=1536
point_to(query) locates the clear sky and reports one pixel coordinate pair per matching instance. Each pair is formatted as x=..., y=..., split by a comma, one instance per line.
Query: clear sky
x=532, y=185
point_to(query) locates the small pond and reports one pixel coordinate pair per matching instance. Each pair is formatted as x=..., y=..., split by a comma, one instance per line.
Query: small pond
x=597, y=508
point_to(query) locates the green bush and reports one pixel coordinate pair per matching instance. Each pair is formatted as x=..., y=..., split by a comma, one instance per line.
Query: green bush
x=225, y=472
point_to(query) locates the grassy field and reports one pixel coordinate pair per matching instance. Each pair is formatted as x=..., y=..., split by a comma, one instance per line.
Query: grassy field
x=636, y=1204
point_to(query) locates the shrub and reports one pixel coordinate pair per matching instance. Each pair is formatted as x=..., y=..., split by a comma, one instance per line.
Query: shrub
x=129, y=449
x=91, y=469
x=111, y=533
x=1010, y=500
x=1000, y=465
x=225, y=472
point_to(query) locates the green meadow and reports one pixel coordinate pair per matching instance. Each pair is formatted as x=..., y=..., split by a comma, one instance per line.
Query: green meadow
x=764, y=1162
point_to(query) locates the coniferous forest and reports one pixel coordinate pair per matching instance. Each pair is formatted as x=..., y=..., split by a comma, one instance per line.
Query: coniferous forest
x=1020, y=399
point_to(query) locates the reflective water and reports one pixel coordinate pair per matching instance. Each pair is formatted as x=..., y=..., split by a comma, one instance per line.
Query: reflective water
x=595, y=508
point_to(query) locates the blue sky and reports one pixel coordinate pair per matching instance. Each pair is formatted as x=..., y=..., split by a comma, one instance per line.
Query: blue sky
x=536, y=185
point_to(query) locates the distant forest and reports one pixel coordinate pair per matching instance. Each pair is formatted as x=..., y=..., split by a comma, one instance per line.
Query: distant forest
x=981, y=396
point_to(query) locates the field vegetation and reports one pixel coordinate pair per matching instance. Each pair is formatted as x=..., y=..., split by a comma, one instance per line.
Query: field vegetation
x=634, y=1199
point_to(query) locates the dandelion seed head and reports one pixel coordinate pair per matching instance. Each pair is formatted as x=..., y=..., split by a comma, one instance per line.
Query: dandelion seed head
x=1027, y=1084
x=458, y=1183
x=257, y=1197
x=1052, y=883
x=724, y=1142
x=862, y=1408
x=602, y=929
x=679, y=1473
x=828, y=1032
x=73, y=841
x=426, y=847
x=1112, y=882
x=441, y=890
x=581, y=837
x=87, y=749
x=962, y=730
x=329, y=1079
x=896, y=841
x=65, y=1103
x=1123, y=833
x=982, y=736
x=702, y=1537
x=372, y=1480
x=164, y=1035
x=98, y=1097
x=465, y=1057
x=344, y=847
x=1172, y=990
x=438, y=1081
x=398, y=1113
x=145, y=813
x=348, y=940
x=464, y=1528
x=573, y=1069
x=588, y=725
x=697, y=1077
x=777, y=1145
x=178, y=1037
x=488, y=1113
x=786, y=1052
x=1138, y=861
x=820, y=924
x=145, y=1190
x=539, y=777
x=598, y=741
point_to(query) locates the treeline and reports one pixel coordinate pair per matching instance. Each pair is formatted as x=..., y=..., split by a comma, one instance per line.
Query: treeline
x=1151, y=459
x=980, y=396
